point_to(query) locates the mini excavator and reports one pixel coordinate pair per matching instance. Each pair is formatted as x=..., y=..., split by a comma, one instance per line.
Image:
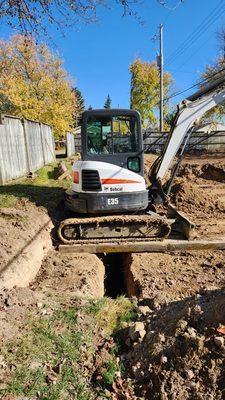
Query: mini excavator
x=109, y=197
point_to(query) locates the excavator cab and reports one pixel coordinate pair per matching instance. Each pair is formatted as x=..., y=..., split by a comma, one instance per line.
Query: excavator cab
x=109, y=176
x=113, y=136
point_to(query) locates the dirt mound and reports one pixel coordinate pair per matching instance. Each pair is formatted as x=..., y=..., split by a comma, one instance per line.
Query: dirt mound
x=194, y=200
x=72, y=274
x=177, y=351
x=25, y=240
x=208, y=171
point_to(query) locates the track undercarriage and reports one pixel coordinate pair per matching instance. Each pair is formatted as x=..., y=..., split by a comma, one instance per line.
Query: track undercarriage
x=120, y=227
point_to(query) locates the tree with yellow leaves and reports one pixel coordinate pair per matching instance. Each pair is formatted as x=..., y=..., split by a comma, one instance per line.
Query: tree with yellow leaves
x=34, y=84
x=144, y=94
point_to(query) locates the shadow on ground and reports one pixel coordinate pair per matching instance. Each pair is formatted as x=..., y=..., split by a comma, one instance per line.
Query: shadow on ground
x=49, y=197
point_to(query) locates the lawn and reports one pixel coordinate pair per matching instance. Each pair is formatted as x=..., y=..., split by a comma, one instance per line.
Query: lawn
x=44, y=190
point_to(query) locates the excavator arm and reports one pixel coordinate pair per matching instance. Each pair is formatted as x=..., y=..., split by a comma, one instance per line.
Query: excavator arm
x=188, y=111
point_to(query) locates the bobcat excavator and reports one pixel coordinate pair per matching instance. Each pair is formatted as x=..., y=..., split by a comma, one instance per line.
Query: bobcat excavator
x=109, y=197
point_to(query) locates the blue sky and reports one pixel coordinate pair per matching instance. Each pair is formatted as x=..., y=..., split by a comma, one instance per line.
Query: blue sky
x=98, y=55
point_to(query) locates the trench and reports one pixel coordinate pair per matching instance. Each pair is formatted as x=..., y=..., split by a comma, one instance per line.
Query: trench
x=118, y=278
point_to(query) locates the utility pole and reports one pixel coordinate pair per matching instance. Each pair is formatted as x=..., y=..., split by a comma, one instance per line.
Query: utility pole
x=161, y=78
x=224, y=45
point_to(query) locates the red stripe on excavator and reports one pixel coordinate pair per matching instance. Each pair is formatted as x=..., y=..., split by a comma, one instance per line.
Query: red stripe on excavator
x=110, y=181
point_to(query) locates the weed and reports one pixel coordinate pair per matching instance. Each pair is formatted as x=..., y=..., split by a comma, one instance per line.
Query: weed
x=95, y=306
x=7, y=200
x=68, y=315
x=108, y=376
x=111, y=314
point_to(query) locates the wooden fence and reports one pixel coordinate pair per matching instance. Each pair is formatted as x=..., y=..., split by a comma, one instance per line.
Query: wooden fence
x=25, y=146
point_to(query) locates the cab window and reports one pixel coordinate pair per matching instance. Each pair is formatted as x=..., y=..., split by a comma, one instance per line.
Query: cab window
x=112, y=135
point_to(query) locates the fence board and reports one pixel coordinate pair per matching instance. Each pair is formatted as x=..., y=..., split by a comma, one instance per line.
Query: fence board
x=13, y=160
x=70, y=144
x=48, y=144
x=34, y=145
x=24, y=147
x=154, y=142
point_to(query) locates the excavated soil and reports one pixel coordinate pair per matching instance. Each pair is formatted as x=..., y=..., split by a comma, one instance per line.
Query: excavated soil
x=24, y=241
x=60, y=277
x=18, y=226
x=167, y=277
x=176, y=347
x=199, y=192
x=31, y=270
x=75, y=274
x=177, y=351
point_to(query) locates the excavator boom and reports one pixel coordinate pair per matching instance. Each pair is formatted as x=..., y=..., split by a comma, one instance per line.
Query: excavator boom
x=188, y=111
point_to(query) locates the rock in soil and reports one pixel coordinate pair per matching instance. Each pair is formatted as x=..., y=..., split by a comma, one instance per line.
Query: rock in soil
x=180, y=357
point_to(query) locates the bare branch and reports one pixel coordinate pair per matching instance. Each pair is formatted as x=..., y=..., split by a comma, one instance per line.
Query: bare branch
x=34, y=16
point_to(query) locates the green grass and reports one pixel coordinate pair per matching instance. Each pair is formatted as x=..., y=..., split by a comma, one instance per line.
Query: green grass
x=48, y=356
x=54, y=343
x=108, y=376
x=110, y=314
x=44, y=190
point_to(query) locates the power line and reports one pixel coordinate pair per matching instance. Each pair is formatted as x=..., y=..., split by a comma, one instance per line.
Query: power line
x=196, y=51
x=187, y=89
x=186, y=45
x=196, y=84
x=196, y=31
x=156, y=35
x=200, y=29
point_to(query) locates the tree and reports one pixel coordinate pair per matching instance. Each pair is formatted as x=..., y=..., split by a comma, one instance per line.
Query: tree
x=34, y=16
x=145, y=89
x=34, y=85
x=90, y=108
x=108, y=102
x=169, y=118
x=80, y=106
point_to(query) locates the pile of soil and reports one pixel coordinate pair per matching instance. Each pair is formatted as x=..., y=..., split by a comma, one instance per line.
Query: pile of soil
x=72, y=274
x=177, y=351
x=199, y=192
x=195, y=201
x=176, y=347
x=209, y=171
x=61, y=276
